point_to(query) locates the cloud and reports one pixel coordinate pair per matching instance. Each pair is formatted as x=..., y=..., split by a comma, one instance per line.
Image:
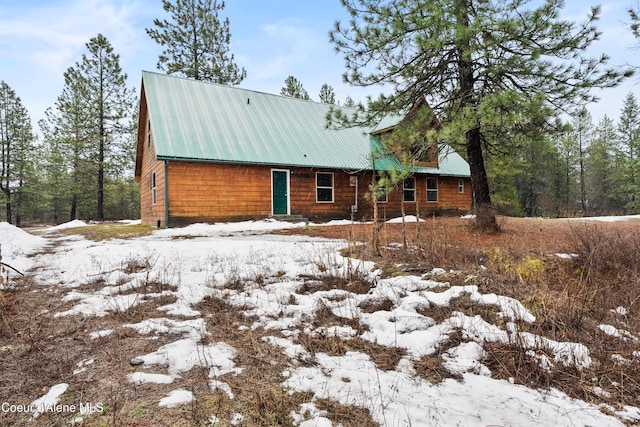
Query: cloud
x=52, y=37
x=41, y=39
x=280, y=48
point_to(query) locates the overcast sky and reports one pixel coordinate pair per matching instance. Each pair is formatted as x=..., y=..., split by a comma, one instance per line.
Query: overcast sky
x=271, y=39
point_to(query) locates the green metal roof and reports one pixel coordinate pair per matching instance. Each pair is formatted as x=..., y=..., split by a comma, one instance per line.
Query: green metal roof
x=194, y=120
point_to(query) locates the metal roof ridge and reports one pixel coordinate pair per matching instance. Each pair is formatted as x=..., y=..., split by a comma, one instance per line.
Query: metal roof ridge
x=247, y=90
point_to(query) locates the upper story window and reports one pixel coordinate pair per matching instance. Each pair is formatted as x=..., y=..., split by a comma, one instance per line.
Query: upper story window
x=148, y=133
x=324, y=187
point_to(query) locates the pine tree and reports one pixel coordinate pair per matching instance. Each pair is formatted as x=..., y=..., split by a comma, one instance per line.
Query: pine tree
x=473, y=61
x=17, y=153
x=327, y=94
x=600, y=169
x=349, y=102
x=293, y=88
x=582, y=127
x=634, y=14
x=196, y=42
x=68, y=134
x=111, y=103
x=629, y=133
x=566, y=181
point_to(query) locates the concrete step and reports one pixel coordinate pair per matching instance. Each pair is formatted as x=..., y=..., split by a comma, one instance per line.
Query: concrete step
x=290, y=218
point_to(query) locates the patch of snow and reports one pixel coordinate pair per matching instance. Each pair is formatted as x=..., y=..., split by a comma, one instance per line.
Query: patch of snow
x=610, y=330
x=176, y=398
x=82, y=366
x=620, y=311
x=145, y=377
x=566, y=256
x=466, y=358
x=613, y=218
x=398, y=399
x=76, y=223
x=222, y=386
x=16, y=245
x=182, y=355
x=100, y=334
x=617, y=333
x=407, y=218
x=47, y=402
x=237, y=419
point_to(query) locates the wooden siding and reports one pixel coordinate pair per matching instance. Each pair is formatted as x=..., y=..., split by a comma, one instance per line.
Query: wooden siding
x=151, y=213
x=450, y=200
x=209, y=192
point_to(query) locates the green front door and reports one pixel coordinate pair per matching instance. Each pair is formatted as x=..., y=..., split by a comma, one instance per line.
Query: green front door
x=280, y=192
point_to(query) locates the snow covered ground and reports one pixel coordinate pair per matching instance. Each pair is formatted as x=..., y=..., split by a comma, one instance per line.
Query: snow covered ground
x=201, y=259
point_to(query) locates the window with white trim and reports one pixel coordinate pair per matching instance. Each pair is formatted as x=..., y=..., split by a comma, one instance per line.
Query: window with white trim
x=380, y=190
x=148, y=134
x=432, y=189
x=324, y=187
x=461, y=185
x=409, y=189
x=154, y=194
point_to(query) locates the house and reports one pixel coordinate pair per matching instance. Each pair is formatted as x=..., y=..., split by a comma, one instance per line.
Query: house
x=210, y=153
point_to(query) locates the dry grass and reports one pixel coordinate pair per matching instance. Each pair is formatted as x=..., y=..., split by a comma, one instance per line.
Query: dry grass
x=569, y=297
x=109, y=231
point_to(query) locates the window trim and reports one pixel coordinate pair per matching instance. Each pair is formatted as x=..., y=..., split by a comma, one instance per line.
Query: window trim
x=384, y=196
x=322, y=187
x=412, y=190
x=432, y=190
x=460, y=185
x=149, y=134
x=154, y=188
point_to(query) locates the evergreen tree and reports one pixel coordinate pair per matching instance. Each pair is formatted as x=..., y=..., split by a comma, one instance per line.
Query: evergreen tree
x=601, y=169
x=293, y=88
x=629, y=134
x=349, y=102
x=635, y=20
x=472, y=61
x=535, y=170
x=566, y=180
x=111, y=103
x=68, y=134
x=196, y=42
x=327, y=94
x=582, y=133
x=17, y=154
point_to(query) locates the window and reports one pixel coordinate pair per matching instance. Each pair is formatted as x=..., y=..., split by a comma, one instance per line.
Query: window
x=154, y=194
x=409, y=190
x=432, y=189
x=324, y=187
x=381, y=191
x=148, y=134
x=461, y=185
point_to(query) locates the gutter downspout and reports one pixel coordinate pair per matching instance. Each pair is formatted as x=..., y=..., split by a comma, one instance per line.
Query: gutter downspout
x=166, y=194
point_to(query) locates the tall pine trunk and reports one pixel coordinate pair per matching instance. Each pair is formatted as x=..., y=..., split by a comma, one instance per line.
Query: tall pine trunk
x=486, y=219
